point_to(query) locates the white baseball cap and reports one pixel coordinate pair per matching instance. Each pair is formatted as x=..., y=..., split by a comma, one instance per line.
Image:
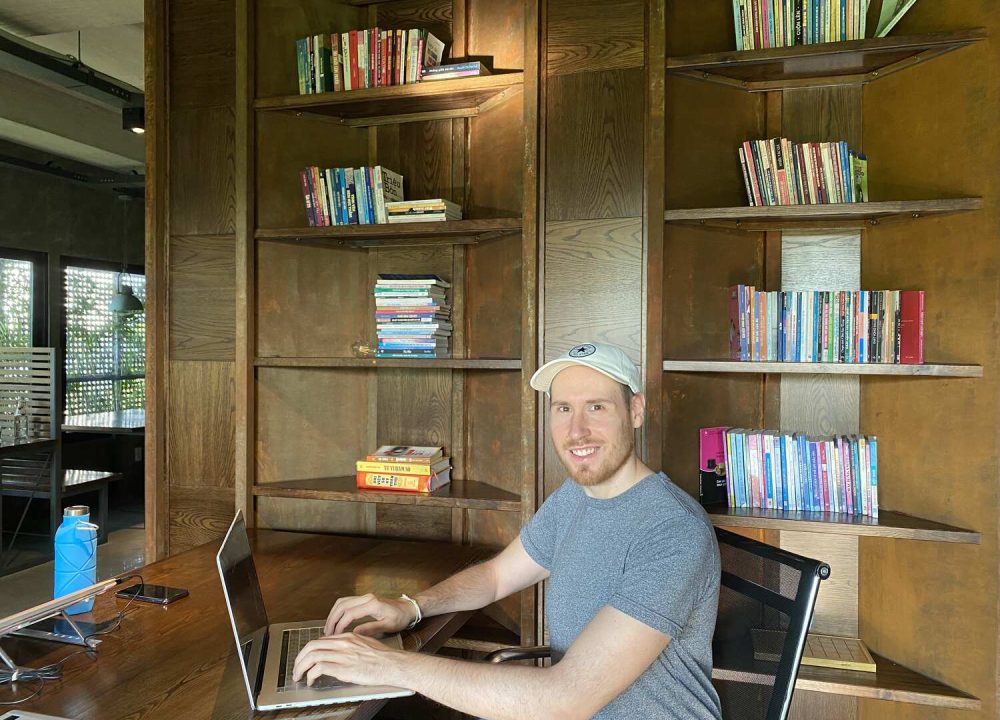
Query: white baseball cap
x=605, y=359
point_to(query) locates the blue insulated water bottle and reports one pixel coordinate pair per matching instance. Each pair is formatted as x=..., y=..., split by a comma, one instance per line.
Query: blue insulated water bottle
x=75, y=556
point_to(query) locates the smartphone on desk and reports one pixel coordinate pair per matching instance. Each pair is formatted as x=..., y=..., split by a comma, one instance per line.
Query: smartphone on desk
x=159, y=594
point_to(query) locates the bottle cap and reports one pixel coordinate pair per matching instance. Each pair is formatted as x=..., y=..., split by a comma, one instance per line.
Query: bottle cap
x=76, y=511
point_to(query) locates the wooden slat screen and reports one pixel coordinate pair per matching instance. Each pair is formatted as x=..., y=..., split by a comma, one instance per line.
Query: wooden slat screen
x=28, y=374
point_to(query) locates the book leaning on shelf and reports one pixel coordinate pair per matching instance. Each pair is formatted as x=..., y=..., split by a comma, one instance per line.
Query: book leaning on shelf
x=777, y=171
x=404, y=468
x=412, y=317
x=453, y=70
x=435, y=209
x=367, y=58
x=761, y=24
x=793, y=472
x=820, y=326
x=349, y=196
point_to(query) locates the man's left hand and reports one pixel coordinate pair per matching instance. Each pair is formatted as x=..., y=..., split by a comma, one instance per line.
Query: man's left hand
x=348, y=657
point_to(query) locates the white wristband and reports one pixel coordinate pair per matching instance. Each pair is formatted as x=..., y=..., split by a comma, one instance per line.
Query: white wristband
x=416, y=608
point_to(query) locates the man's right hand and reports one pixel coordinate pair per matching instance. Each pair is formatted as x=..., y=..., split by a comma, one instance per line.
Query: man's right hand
x=390, y=615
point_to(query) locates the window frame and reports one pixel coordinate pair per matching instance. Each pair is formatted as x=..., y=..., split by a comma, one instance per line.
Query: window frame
x=67, y=261
x=39, y=291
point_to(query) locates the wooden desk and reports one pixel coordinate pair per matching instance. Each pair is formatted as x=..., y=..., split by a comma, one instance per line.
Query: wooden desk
x=178, y=662
x=113, y=423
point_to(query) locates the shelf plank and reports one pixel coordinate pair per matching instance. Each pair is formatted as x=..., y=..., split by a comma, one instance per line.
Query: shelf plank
x=440, y=99
x=735, y=366
x=454, y=232
x=457, y=494
x=352, y=362
x=831, y=216
x=823, y=64
x=888, y=524
x=890, y=681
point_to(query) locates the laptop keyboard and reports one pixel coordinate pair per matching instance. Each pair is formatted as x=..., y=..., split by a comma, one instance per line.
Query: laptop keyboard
x=292, y=641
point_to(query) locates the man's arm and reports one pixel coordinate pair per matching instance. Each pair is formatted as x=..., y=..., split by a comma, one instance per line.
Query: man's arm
x=607, y=657
x=473, y=588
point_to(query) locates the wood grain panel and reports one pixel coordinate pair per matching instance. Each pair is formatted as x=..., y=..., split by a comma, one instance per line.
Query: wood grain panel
x=493, y=429
x=936, y=610
x=202, y=298
x=202, y=171
x=823, y=115
x=314, y=516
x=495, y=188
x=698, y=27
x=493, y=304
x=836, y=610
x=496, y=29
x=808, y=705
x=199, y=515
x=279, y=23
x=435, y=16
x=413, y=522
x=497, y=530
x=200, y=430
x=287, y=143
x=202, y=46
x=580, y=37
x=424, y=160
x=594, y=145
x=414, y=408
x=311, y=301
x=593, y=284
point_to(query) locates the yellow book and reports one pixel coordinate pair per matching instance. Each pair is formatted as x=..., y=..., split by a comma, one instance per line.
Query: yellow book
x=404, y=468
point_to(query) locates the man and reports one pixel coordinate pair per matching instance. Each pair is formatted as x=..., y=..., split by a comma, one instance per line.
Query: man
x=633, y=571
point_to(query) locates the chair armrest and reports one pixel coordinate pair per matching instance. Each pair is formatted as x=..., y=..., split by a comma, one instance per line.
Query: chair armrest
x=519, y=653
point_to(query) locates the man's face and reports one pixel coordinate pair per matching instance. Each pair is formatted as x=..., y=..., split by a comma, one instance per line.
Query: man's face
x=592, y=426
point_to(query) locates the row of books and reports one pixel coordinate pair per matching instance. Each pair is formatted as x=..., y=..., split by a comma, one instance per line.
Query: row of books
x=372, y=57
x=793, y=472
x=841, y=326
x=781, y=23
x=434, y=209
x=404, y=468
x=412, y=316
x=349, y=196
x=778, y=171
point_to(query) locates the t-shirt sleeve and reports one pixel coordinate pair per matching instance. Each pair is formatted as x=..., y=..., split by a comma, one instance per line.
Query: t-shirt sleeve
x=539, y=536
x=666, y=574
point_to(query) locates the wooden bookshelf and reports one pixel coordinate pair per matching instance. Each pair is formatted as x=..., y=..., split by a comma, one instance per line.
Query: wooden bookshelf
x=454, y=232
x=437, y=100
x=888, y=524
x=788, y=368
x=416, y=363
x=890, y=681
x=820, y=65
x=833, y=216
x=467, y=494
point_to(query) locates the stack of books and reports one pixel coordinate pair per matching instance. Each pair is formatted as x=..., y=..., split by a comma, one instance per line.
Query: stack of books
x=793, y=472
x=349, y=196
x=367, y=58
x=439, y=209
x=404, y=468
x=412, y=316
x=845, y=326
x=780, y=172
x=781, y=23
x=454, y=70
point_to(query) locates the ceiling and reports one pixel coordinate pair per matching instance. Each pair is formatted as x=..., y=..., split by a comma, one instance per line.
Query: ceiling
x=105, y=35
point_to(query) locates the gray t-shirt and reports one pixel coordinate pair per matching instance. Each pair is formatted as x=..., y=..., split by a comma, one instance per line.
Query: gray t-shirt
x=650, y=553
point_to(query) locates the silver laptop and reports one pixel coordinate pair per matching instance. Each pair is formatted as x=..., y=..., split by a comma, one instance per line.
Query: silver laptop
x=267, y=652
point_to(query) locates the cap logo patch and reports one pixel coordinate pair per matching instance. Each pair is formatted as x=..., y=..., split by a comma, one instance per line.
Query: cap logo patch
x=582, y=350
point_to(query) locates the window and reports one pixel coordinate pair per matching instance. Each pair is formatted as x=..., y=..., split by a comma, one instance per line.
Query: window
x=22, y=298
x=105, y=352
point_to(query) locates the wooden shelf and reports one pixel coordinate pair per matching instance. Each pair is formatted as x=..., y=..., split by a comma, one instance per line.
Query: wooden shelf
x=890, y=681
x=833, y=216
x=454, y=232
x=735, y=366
x=457, y=494
x=842, y=63
x=437, y=100
x=887, y=524
x=352, y=362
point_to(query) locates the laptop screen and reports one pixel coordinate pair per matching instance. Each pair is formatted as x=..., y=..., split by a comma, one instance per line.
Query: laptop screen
x=241, y=585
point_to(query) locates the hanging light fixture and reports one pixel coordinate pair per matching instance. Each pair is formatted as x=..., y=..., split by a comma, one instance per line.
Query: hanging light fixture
x=124, y=302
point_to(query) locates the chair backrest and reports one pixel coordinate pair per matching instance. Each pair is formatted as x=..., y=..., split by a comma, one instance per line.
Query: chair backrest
x=765, y=606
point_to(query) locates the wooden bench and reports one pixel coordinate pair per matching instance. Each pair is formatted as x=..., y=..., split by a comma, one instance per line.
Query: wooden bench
x=21, y=479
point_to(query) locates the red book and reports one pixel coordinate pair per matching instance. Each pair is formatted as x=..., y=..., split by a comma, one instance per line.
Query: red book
x=352, y=52
x=911, y=327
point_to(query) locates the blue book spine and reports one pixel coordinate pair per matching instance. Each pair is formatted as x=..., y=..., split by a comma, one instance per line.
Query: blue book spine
x=843, y=19
x=742, y=461
x=768, y=476
x=800, y=458
x=782, y=459
x=873, y=465
x=845, y=169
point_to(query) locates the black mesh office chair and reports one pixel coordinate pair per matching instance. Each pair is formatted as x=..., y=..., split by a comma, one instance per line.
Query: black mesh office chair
x=765, y=606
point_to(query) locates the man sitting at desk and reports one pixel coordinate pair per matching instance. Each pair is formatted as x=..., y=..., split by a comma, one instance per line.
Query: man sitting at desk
x=633, y=571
